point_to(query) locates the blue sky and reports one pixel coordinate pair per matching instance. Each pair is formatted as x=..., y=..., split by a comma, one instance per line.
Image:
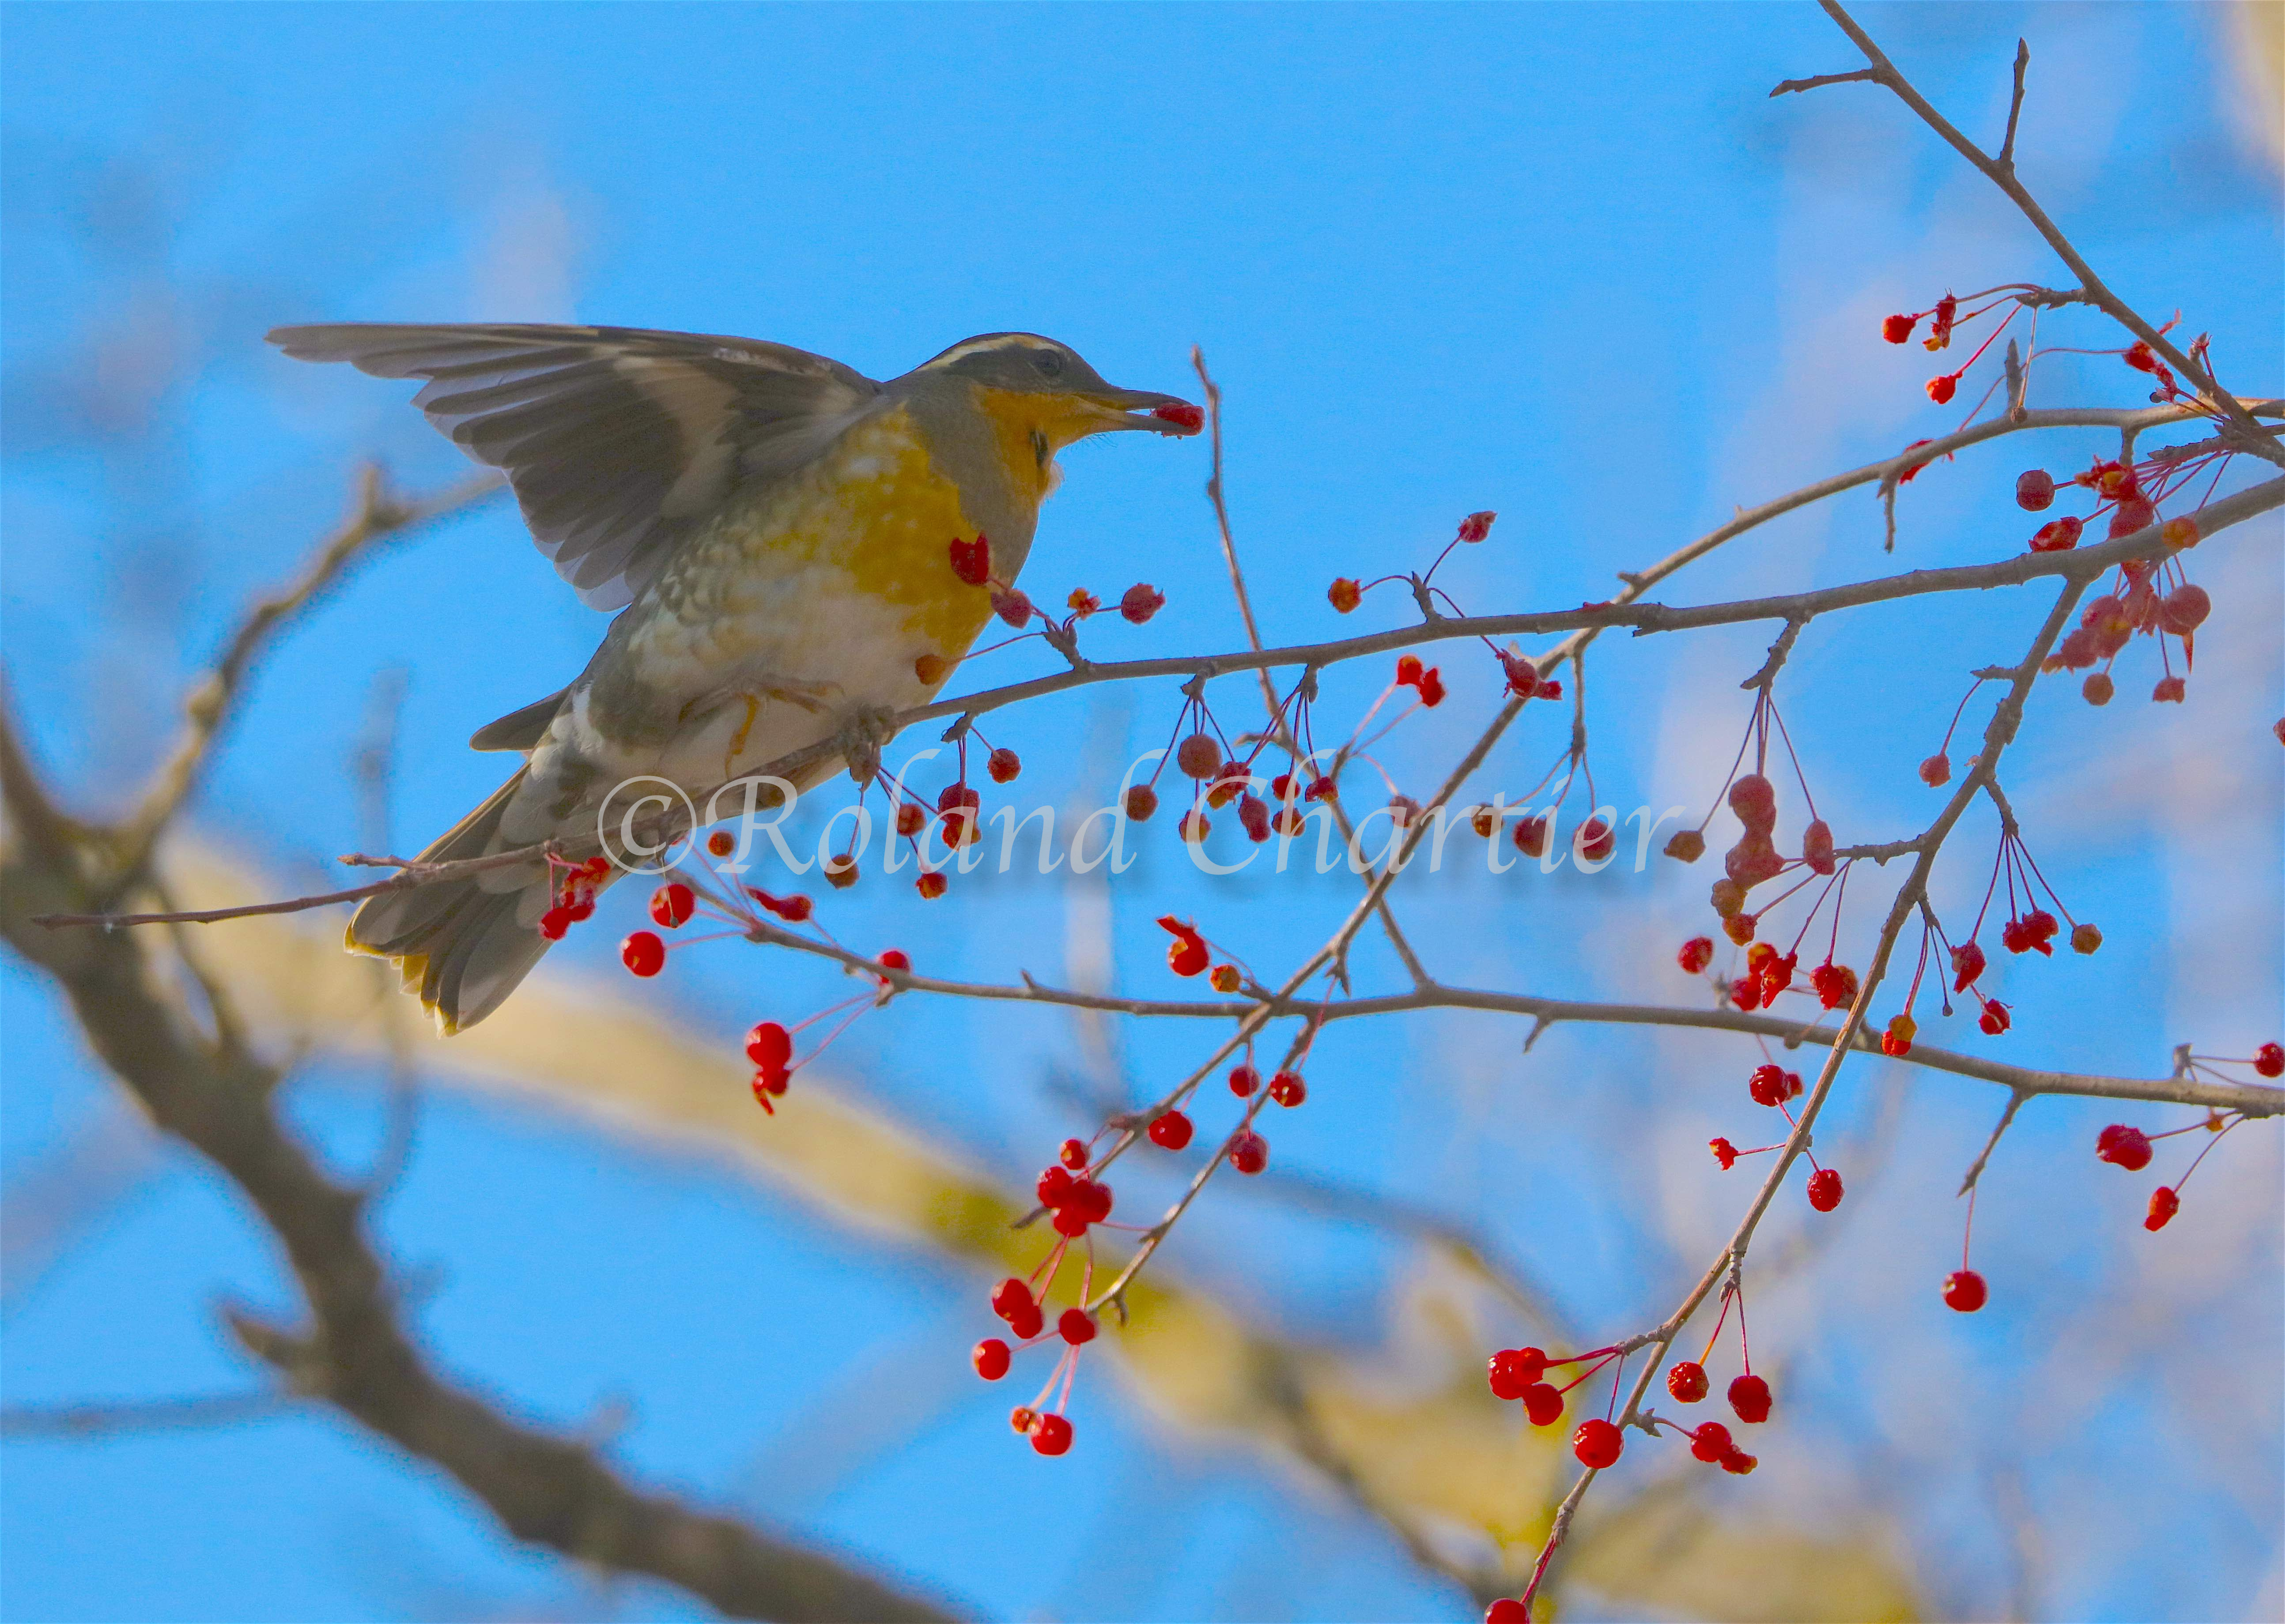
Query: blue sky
x=1567, y=263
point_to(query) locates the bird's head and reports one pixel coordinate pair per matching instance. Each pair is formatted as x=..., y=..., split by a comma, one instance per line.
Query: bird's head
x=1042, y=389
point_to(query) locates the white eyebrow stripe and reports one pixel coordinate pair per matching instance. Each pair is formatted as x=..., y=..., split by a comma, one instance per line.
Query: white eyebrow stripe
x=979, y=346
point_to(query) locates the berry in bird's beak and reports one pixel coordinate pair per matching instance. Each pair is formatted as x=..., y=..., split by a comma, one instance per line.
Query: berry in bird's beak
x=1166, y=415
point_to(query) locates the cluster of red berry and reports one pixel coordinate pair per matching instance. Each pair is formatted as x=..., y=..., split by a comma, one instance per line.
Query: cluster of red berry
x=575, y=885
x=1773, y=1086
x=1077, y=1200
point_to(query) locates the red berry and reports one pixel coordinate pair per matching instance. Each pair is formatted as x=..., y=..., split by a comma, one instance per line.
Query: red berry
x=1531, y=836
x=1012, y=605
x=1686, y=846
x=769, y=1045
x=972, y=560
x=1051, y=1435
x=1243, y=1080
x=1817, y=847
x=1937, y=770
x=1475, y=527
x=1199, y=755
x=2185, y=610
x=720, y=844
x=1027, y=1321
x=2057, y=535
x=1509, y=1373
x=2123, y=1147
x=1711, y=1441
x=1940, y=388
x=1896, y=329
x=1738, y=1461
x=2035, y=489
x=1767, y=1085
x=895, y=960
x=1597, y=1443
x=2133, y=513
x=1072, y=1154
x=1011, y=1298
x=1696, y=955
x=1288, y=1089
x=2164, y=1205
x=1170, y=1130
x=554, y=922
x=1432, y=687
x=2171, y=690
x=1075, y=1326
x=643, y=953
x=1964, y=1292
x=1084, y=1199
x=1141, y=801
x=1507, y=1610
x=931, y=885
x=1835, y=985
x=1186, y=954
x=2098, y=688
x=1542, y=1404
x=1344, y=594
x=1004, y=765
x=671, y=904
x=2269, y=1060
x=1967, y=963
x=1140, y=602
x=1596, y=840
x=1749, y=1396
x=1994, y=1019
x=1185, y=418
x=1755, y=800
x=1249, y=1152
x=1725, y=1152
x=1824, y=1189
x=1686, y=1381
x=1409, y=670
x=990, y=1359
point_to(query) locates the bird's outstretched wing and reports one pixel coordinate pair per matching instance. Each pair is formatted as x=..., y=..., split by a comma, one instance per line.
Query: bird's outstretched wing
x=617, y=440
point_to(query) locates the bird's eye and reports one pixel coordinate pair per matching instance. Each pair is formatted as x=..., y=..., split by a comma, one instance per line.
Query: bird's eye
x=1049, y=362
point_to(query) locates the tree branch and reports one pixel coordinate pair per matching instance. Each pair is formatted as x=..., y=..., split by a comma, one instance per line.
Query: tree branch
x=215, y=1095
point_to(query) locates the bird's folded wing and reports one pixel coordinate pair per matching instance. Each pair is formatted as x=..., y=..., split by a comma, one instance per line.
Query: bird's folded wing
x=617, y=440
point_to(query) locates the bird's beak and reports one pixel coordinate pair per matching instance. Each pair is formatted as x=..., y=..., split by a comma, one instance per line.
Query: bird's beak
x=1164, y=415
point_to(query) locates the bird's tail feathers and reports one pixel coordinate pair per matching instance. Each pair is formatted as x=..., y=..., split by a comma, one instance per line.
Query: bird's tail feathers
x=463, y=944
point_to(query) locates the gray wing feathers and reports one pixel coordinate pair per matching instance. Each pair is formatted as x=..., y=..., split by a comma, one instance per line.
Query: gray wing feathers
x=617, y=440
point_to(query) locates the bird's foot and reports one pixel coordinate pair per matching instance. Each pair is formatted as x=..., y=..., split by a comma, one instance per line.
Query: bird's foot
x=865, y=732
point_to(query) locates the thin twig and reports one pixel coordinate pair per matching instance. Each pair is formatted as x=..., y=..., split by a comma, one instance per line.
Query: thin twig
x=376, y=515
x=2097, y=291
x=2006, y=159
x=2015, y=1103
x=144, y=1414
